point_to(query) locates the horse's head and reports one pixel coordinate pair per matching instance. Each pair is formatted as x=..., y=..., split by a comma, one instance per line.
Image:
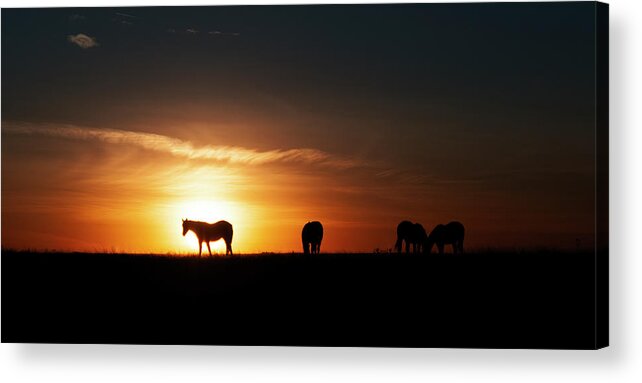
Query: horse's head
x=185, y=227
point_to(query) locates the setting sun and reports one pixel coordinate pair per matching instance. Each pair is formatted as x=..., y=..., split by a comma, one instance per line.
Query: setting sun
x=207, y=211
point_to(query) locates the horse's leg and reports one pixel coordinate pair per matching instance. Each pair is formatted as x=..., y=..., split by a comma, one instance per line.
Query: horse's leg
x=208, y=248
x=407, y=246
x=440, y=246
x=200, y=247
x=228, y=246
x=455, y=247
x=461, y=246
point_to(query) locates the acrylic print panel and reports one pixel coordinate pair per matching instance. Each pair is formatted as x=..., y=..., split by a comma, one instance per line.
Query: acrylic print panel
x=410, y=175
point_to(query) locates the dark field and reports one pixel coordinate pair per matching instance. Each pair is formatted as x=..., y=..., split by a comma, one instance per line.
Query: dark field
x=521, y=300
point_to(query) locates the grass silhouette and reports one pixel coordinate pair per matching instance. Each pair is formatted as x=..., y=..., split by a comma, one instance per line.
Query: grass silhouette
x=464, y=300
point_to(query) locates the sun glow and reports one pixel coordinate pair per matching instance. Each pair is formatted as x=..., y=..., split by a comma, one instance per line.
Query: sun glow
x=208, y=211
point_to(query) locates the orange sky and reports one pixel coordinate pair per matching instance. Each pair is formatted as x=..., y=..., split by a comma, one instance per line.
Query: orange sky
x=81, y=188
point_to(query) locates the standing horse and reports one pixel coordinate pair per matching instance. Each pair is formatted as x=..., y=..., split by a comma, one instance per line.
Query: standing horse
x=210, y=232
x=311, y=236
x=450, y=234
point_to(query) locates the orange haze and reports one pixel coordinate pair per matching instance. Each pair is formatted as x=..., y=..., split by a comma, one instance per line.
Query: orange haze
x=92, y=189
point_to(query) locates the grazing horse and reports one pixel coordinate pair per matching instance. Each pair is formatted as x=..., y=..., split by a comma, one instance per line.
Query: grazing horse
x=210, y=232
x=311, y=236
x=413, y=234
x=419, y=237
x=450, y=234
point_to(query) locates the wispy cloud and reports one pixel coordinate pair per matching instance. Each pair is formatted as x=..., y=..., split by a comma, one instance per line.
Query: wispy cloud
x=82, y=40
x=418, y=177
x=183, y=148
x=125, y=15
x=124, y=19
x=220, y=33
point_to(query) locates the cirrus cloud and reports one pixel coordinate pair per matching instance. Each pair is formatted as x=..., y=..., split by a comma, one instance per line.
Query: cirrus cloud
x=182, y=148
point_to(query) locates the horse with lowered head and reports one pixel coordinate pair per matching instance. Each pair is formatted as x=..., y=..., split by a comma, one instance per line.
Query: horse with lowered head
x=210, y=232
x=413, y=234
x=449, y=234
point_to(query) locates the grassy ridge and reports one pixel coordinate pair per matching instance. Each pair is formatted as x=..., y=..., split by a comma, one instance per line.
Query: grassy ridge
x=539, y=299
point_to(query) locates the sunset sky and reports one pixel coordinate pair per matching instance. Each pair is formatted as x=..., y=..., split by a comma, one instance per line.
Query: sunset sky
x=119, y=122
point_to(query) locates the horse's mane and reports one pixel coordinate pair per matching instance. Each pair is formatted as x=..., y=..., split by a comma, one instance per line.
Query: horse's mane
x=190, y=221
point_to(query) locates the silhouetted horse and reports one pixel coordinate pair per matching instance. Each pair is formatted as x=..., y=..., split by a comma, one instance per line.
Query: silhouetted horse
x=420, y=237
x=210, y=232
x=450, y=234
x=411, y=233
x=311, y=236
